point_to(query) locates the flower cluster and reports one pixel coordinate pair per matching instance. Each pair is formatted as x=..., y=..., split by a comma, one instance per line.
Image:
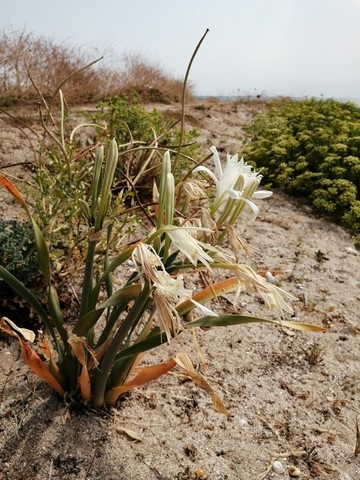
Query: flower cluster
x=237, y=181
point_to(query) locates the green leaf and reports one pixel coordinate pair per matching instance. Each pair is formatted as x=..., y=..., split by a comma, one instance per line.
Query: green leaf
x=127, y=293
x=87, y=321
x=42, y=251
x=228, y=320
x=225, y=321
x=154, y=339
x=122, y=296
x=56, y=315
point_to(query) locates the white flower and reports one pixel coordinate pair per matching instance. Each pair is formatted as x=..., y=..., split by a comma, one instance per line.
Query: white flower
x=167, y=291
x=146, y=261
x=192, y=249
x=166, y=294
x=273, y=296
x=172, y=288
x=236, y=181
x=241, y=195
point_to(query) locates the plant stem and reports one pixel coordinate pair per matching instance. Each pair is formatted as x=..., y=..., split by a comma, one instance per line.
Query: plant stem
x=183, y=98
x=88, y=278
x=126, y=327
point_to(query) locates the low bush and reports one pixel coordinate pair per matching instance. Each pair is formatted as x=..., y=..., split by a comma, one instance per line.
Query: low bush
x=18, y=250
x=131, y=124
x=311, y=149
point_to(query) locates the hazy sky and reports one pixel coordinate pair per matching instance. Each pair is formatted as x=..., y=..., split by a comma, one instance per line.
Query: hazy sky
x=276, y=47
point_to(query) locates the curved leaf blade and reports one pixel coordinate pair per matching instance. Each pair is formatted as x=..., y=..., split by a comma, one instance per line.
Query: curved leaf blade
x=229, y=320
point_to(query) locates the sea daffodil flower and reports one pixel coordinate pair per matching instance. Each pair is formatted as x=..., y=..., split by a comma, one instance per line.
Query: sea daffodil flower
x=237, y=181
x=192, y=248
x=167, y=291
x=273, y=296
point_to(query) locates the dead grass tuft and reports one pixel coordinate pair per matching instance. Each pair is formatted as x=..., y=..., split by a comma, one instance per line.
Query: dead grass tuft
x=50, y=63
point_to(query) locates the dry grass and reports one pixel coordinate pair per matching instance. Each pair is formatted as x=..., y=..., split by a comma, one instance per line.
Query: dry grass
x=50, y=63
x=149, y=80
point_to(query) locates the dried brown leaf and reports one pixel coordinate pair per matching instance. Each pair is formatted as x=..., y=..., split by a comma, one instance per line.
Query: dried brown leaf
x=29, y=335
x=130, y=433
x=183, y=360
x=146, y=375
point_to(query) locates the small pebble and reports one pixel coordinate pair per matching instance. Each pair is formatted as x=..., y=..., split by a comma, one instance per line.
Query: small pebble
x=243, y=423
x=278, y=467
x=294, y=472
x=269, y=277
x=351, y=251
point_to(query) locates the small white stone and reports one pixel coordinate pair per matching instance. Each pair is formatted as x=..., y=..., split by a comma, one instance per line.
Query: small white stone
x=278, y=467
x=351, y=251
x=269, y=277
x=243, y=423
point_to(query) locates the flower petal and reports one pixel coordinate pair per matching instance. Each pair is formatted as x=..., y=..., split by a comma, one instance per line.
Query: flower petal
x=205, y=310
x=262, y=194
x=216, y=160
x=208, y=172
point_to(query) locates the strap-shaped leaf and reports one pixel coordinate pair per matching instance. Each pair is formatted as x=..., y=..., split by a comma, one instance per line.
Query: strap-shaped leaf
x=228, y=320
x=145, y=375
x=33, y=361
x=213, y=291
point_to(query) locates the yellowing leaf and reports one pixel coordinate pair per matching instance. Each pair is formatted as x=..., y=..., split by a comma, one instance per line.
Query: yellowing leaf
x=54, y=369
x=45, y=348
x=78, y=346
x=29, y=335
x=10, y=187
x=302, y=327
x=220, y=288
x=33, y=361
x=146, y=375
x=183, y=360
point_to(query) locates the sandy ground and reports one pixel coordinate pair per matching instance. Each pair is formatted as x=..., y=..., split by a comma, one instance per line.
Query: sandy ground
x=293, y=397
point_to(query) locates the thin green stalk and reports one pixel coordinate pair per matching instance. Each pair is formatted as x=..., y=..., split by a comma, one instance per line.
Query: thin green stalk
x=108, y=277
x=115, y=314
x=88, y=278
x=183, y=97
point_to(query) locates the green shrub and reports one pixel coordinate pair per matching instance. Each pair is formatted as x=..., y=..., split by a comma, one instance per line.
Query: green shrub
x=17, y=250
x=311, y=148
x=126, y=119
x=130, y=123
